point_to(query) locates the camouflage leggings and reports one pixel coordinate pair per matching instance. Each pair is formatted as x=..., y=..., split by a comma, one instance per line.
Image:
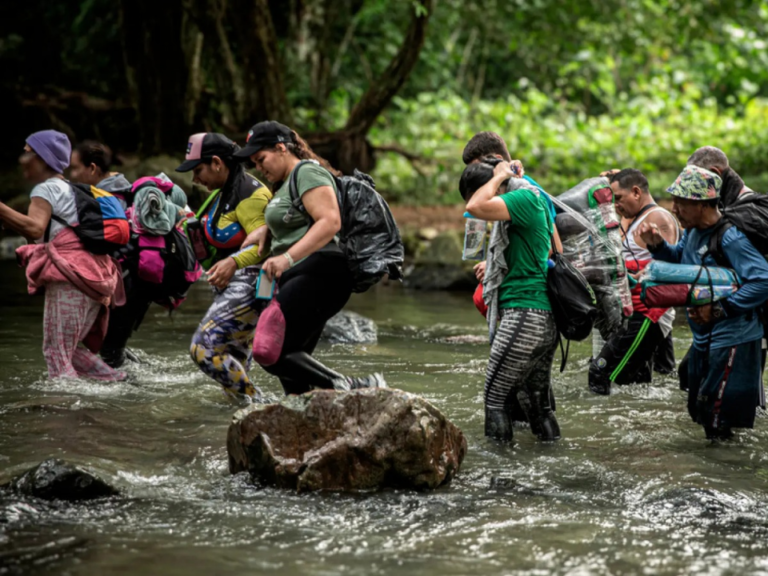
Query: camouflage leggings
x=221, y=346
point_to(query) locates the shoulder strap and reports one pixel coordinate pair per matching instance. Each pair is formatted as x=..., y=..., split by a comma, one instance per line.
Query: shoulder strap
x=293, y=189
x=715, y=246
x=206, y=204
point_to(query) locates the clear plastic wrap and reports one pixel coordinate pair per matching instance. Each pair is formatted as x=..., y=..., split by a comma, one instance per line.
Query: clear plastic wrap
x=475, y=239
x=590, y=232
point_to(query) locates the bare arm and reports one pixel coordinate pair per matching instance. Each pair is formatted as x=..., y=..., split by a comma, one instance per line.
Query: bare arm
x=484, y=203
x=32, y=225
x=665, y=224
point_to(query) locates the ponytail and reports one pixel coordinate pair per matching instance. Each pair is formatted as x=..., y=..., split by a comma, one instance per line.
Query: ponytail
x=299, y=148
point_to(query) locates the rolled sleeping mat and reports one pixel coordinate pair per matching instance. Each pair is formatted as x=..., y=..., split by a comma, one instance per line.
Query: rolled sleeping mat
x=670, y=295
x=660, y=272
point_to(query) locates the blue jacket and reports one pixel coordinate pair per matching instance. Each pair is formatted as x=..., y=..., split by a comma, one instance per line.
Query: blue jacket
x=742, y=323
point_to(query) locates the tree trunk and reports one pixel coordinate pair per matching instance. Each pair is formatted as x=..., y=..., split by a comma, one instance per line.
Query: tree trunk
x=209, y=16
x=156, y=71
x=383, y=89
x=261, y=64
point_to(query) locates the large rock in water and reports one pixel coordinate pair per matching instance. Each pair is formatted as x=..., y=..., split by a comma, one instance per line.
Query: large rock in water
x=350, y=328
x=58, y=480
x=342, y=441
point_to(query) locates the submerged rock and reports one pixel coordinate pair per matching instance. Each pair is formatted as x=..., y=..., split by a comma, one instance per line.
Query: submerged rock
x=359, y=440
x=55, y=479
x=350, y=328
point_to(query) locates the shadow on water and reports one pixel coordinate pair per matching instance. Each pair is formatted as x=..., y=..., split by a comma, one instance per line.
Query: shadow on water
x=631, y=488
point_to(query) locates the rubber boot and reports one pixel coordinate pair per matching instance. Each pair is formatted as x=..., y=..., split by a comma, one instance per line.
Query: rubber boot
x=498, y=425
x=599, y=379
x=546, y=427
x=303, y=368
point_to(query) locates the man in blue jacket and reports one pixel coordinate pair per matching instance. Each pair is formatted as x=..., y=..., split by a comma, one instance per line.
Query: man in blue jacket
x=725, y=365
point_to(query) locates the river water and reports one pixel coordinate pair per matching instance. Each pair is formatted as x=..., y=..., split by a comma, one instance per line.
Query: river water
x=632, y=488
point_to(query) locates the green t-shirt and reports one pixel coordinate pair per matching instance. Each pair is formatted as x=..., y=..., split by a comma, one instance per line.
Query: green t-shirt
x=525, y=285
x=286, y=234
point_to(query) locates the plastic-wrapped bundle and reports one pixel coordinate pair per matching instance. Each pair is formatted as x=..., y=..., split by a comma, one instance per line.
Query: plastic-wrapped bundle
x=667, y=273
x=669, y=295
x=590, y=232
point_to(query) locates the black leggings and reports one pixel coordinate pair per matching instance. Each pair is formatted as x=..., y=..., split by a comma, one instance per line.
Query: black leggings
x=124, y=321
x=309, y=294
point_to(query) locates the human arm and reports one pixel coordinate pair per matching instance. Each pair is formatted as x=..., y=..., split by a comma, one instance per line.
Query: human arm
x=651, y=236
x=323, y=207
x=250, y=215
x=484, y=203
x=751, y=268
x=666, y=225
x=32, y=225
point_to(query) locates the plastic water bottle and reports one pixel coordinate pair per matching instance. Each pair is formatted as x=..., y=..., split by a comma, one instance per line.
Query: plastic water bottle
x=475, y=238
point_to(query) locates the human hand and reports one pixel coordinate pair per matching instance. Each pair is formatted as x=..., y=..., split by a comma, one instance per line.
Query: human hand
x=649, y=233
x=505, y=170
x=479, y=270
x=259, y=237
x=275, y=266
x=701, y=315
x=221, y=273
x=609, y=173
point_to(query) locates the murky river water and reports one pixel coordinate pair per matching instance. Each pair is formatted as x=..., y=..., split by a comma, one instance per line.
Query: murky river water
x=632, y=488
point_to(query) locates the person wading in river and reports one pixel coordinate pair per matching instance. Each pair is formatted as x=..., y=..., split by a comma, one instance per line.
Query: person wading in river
x=523, y=349
x=629, y=355
x=221, y=345
x=724, y=368
x=79, y=286
x=313, y=280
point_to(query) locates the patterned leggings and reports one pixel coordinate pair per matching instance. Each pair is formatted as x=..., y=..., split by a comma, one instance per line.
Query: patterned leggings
x=221, y=346
x=520, y=368
x=68, y=317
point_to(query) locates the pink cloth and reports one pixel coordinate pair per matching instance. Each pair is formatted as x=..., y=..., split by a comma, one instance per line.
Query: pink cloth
x=64, y=259
x=68, y=318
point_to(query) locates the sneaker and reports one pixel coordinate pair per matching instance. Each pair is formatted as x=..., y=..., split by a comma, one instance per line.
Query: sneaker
x=348, y=383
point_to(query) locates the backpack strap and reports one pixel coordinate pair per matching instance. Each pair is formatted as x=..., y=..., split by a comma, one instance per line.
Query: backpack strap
x=715, y=246
x=293, y=189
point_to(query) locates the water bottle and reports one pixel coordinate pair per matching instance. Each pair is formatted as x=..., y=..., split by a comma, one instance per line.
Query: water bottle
x=475, y=238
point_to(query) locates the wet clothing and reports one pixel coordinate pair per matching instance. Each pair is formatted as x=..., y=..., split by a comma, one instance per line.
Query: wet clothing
x=58, y=193
x=724, y=378
x=628, y=356
x=309, y=294
x=286, y=234
x=221, y=345
x=724, y=386
x=230, y=214
x=519, y=371
x=68, y=319
x=79, y=288
x=530, y=231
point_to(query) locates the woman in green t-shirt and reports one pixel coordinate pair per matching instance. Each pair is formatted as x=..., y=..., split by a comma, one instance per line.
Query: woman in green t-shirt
x=311, y=273
x=524, y=345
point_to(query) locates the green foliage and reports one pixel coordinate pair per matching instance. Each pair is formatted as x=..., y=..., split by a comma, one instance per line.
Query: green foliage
x=560, y=145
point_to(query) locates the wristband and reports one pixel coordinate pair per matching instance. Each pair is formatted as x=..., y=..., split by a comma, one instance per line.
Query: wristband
x=290, y=259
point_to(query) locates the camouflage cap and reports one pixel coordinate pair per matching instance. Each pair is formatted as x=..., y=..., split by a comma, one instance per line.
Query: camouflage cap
x=696, y=183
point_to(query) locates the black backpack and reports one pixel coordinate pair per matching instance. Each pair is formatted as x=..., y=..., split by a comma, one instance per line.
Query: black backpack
x=369, y=237
x=749, y=214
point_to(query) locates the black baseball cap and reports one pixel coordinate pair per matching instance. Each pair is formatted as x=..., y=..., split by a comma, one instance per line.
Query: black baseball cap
x=263, y=135
x=204, y=146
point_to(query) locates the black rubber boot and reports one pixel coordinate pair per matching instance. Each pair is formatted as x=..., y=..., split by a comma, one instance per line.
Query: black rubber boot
x=498, y=425
x=546, y=427
x=599, y=380
x=303, y=370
